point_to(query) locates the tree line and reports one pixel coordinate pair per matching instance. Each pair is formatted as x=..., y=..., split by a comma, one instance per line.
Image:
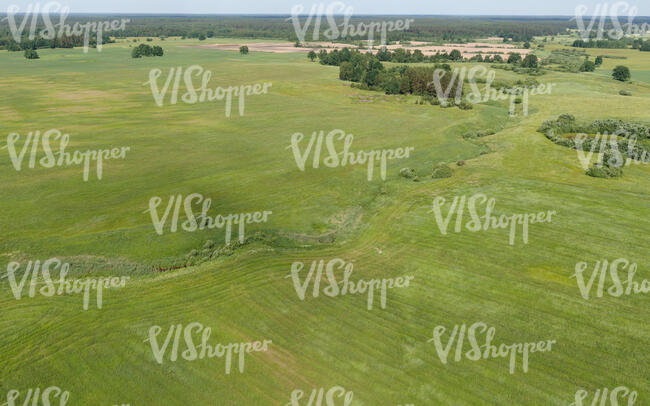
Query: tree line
x=64, y=41
x=429, y=28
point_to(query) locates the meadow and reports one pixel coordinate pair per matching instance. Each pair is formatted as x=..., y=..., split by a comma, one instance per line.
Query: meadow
x=386, y=228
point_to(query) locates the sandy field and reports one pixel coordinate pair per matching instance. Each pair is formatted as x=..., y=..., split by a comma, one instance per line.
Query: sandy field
x=467, y=50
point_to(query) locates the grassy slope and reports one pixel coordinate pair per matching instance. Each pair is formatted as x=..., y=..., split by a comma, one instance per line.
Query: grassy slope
x=381, y=355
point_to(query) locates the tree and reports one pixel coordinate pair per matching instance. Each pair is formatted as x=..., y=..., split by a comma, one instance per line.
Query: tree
x=312, y=55
x=31, y=54
x=514, y=58
x=455, y=55
x=588, y=66
x=498, y=59
x=157, y=51
x=578, y=43
x=621, y=73
x=527, y=45
x=146, y=50
x=370, y=75
x=202, y=37
x=243, y=50
x=346, y=71
x=645, y=47
x=13, y=46
x=598, y=61
x=530, y=61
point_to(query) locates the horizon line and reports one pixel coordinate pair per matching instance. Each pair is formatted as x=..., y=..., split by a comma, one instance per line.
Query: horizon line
x=317, y=15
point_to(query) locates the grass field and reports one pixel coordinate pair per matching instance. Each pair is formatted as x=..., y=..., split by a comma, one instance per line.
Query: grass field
x=385, y=228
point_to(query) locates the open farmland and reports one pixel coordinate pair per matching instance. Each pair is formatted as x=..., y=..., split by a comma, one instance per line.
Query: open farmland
x=386, y=228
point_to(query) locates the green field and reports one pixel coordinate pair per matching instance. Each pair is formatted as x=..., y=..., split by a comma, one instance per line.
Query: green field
x=385, y=228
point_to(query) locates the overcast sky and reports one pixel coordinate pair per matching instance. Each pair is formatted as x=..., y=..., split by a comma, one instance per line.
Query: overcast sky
x=466, y=7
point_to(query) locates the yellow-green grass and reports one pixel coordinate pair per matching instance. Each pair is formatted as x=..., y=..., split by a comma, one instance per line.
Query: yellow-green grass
x=382, y=355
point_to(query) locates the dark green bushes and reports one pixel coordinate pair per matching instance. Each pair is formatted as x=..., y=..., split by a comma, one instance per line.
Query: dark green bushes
x=31, y=54
x=621, y=73
x=146, y=50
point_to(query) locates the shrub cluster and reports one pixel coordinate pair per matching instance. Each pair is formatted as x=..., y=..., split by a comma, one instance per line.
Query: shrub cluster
x=409, y=173
x=441, y=171
x=211, y=251
x=31, y=54
x=370, y=74
x=478, y=134
x=146, y=50
x=609, y=166
x=614, y=155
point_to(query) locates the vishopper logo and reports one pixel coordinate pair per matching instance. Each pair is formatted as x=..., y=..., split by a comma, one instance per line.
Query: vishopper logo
x=486, y=350
x=202, y=93
x=477, y=222
x=618, y=286
x=51, y=31
x=369, y=287
x=341, y=30
x=344, y=157
x=38, y=397
x=202, y=221
x=601, y=12
x=60, y=158
x=606, y=398
x=65, y=286
x=335, y=396
x=203, y=350
x=488, y=93
x=587, y=146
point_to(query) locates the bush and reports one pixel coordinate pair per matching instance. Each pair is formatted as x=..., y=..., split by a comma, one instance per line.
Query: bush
x=243, y=50
x=514, y=58
x=588, y=66
x=13, y=46
x=599, y=60
x=441, y=171
x=408, y=173
x=460, y=163
x=610, y=165
x=464, y=105
x=478, y=134
x=31, y=54
x=621, y=73
x=146, y=50
x=625, y=93
x=530, y=61
x=604, y=172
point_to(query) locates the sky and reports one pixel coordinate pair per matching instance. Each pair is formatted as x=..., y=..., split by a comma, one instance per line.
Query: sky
x=437, y=7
